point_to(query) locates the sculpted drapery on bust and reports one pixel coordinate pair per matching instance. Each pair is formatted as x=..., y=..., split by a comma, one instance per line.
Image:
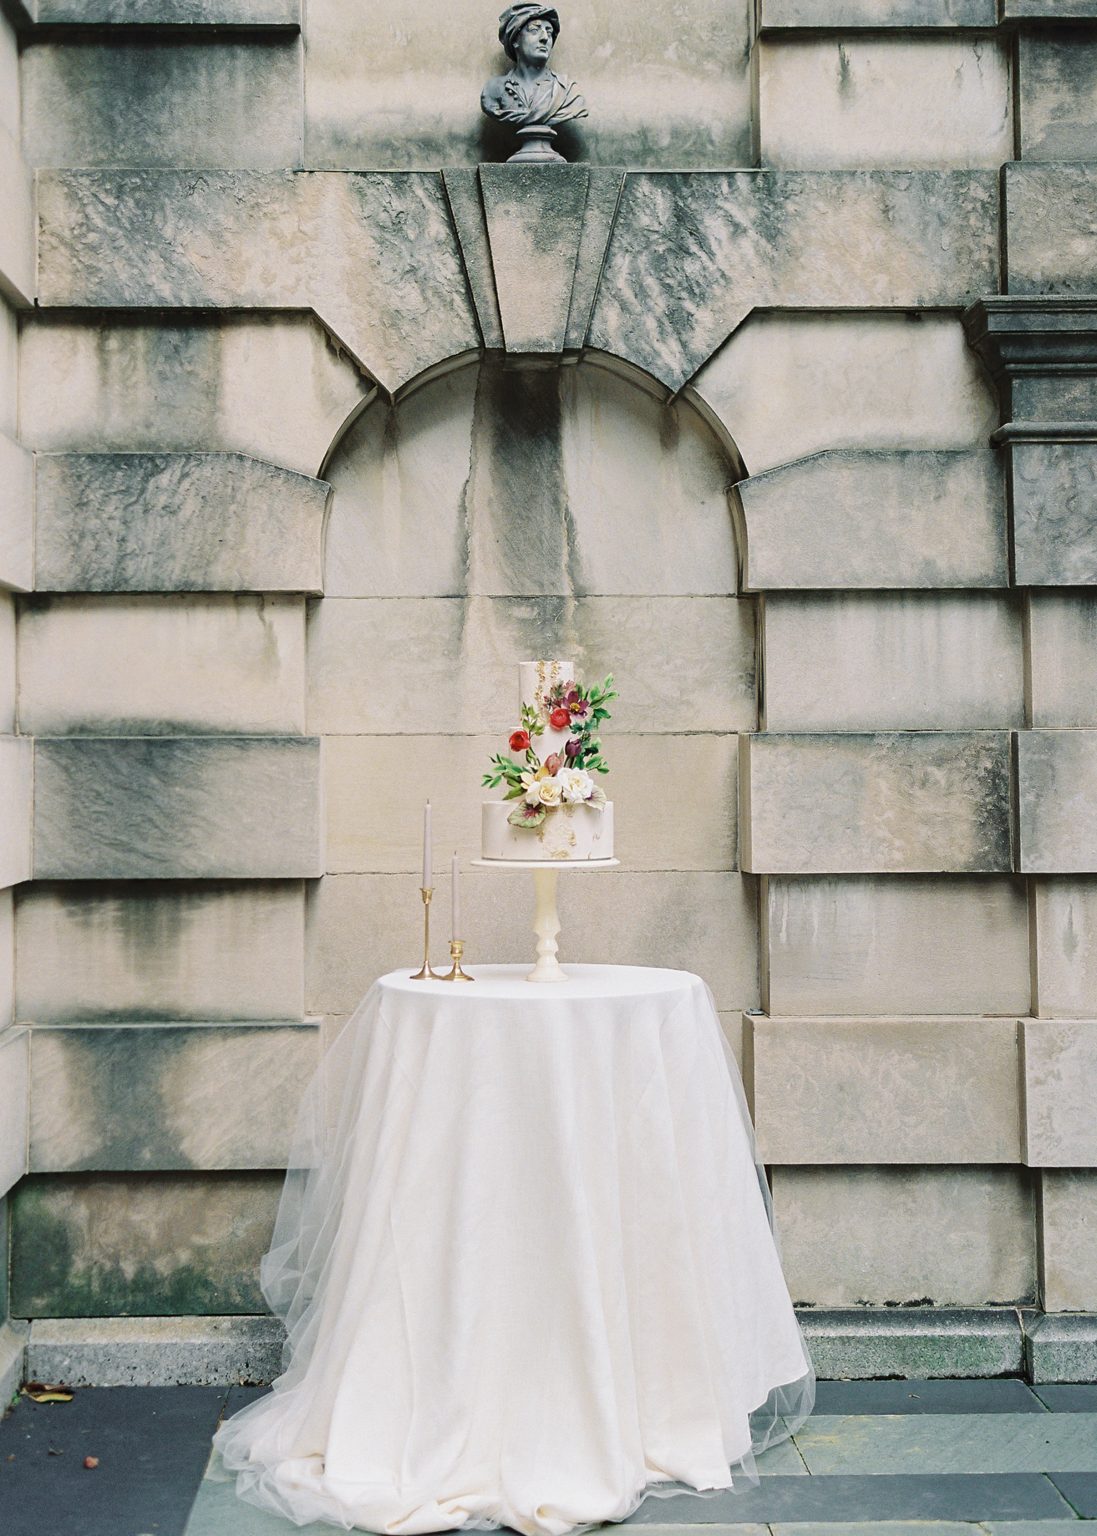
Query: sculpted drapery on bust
x=531, y=96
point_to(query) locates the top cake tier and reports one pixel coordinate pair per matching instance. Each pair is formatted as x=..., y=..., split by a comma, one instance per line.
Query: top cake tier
x=536, y=680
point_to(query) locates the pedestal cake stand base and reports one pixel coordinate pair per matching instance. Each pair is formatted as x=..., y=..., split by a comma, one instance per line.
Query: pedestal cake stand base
x=546, y=918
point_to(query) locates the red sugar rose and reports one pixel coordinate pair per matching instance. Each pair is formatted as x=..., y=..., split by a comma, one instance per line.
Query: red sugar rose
x=560, y=719
x=519, y=741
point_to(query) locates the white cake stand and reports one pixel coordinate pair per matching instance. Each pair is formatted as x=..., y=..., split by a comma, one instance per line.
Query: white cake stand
x=546, y=919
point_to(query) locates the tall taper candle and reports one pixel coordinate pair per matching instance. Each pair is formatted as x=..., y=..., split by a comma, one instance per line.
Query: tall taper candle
x=456, y=901
x=428, y=859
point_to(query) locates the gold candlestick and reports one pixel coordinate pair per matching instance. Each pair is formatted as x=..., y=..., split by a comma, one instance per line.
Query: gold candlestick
x=456, y=949
x=426, y=974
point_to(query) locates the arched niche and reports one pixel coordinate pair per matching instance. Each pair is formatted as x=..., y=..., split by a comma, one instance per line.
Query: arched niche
x=500, y=512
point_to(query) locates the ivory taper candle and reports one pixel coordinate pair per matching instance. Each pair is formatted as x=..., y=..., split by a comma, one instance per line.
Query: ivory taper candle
x=428, y=859
x=456, y=900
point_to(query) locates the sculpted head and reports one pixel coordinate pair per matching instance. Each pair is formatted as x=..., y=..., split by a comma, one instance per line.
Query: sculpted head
x=528, y=33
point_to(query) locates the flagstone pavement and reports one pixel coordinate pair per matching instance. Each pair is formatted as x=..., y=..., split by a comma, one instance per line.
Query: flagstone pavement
x=898, y=1458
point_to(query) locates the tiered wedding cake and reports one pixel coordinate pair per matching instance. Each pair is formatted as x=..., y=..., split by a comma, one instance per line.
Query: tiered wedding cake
x=553, y=808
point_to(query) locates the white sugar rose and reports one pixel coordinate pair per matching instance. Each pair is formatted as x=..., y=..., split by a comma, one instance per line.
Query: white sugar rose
x=575, y=784
x=551, y=791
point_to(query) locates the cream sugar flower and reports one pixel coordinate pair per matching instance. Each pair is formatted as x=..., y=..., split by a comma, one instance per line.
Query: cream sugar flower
x=550, y=791
x=576, y=785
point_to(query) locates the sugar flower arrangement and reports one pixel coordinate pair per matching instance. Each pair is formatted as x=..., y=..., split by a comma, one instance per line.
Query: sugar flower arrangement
x=565, y=777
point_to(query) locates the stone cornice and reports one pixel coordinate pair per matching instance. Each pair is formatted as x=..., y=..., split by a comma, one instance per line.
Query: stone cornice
x=1032, y=335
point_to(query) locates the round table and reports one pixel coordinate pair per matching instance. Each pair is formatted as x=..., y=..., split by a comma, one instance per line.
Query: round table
x=525, y=1257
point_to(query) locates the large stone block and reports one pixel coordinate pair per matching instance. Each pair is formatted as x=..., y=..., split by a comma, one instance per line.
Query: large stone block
x=879, y=520
x=1068, y=1240
x=14, y=1076
x=887, y=102
x=165, y=1096
x=1065, y=947
x=170, y=13
x=1057, y=94
x=880, y=803
x=375, y=785
x=157, y=522
x=9, y=77
x=886, y=1090
x=1060, y=1068
x=16, y=515
x=220, y=103
x=108, y=666
x=933, y=662
x=786, y=386
x=1057, y=802
x=400, y=87
x=519, y=480
x=866, y=1343
x=450, y=661
x=156, y=1351
x=691, y=256
x=1049, y=10
x=7, y=664
x=360, y=926
x=938, y=1237
x=1062, y=642
x=16, y=772
x=1050, y=228
x=17, y=228
x=779, y=15
x=534, y=225
x=898, y=945
x=374, y=253
x=177, y=807
x=9, y=368
x=215, y=951
x=7, y=957
x=274, y=387
x=140, y=1245
x=1053, y=487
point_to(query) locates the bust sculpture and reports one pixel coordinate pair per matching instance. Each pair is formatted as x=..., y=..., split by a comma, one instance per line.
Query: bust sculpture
x=531, y=96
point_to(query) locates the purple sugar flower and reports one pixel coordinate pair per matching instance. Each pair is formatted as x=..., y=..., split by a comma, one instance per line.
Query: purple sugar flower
x=572, y=749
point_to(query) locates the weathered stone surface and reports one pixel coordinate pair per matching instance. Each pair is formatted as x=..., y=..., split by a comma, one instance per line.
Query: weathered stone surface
x=1062, y=1348
x=177, y=807
x=887, y=102
x=213, y=951
x=1065, y=947
x=1062, y=640
x=900, y=802
x=13, y=1350
x=1051, y=228
x=400, y=87
x=450, y=661
x=929, y=1236
x=1060, y=1067
x=7, y=664
x=1040, y=351
x=9, y=77
x=360, y=926
x=466, y=207
x=534, y=217
x=152, y=522
x=155, y=1351
x=691, y=256
x=14, y=1074
x=1054, y=493
x=1057, y=94
x=1057, y=801
x=17, y=227
x=9, y=366
x=933, y=662
x=7, y=957
x=862, y=1343
x=886, y=1090
x=273, y=387
x=1068, y=1217
x=794, y=14
x=155, y=666
x=374, y=253
x=603, y=198
x=789, y=385
x=15, y=797
x=1049, y=10
x=16, y=515
x=218, y=103
x=519, y=481
x=171, y=13
x=141, y=1245
x=898, y=945
x=165, y=1096
x=879, y=520
x=374, y=832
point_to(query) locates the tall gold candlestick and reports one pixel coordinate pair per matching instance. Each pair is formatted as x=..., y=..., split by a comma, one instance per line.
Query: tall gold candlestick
x=426, y=974
x=456, y=949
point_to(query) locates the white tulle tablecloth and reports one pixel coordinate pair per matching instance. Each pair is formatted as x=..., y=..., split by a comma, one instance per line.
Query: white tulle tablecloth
x=526, y=1260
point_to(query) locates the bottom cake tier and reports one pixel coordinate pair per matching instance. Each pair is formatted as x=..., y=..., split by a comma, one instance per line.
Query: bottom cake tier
x=567, y=832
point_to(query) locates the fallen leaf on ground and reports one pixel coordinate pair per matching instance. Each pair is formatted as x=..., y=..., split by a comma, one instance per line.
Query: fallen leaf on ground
x=91, y=1461
x=39, y=1392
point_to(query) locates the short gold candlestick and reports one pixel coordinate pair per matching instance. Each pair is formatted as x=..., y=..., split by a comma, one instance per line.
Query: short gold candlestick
x=456, y=949
x=426, y=974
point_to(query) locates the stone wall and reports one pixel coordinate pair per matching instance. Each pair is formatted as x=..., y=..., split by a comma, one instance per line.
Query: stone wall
x=780, y=402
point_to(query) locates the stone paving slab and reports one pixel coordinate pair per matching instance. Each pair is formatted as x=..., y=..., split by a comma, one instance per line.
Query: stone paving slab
x=1007, y=1395
x=1028, y=1528
x=905, y=1497
x=1068, y=1397
x=1080, y=1491
x=946, y=1443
